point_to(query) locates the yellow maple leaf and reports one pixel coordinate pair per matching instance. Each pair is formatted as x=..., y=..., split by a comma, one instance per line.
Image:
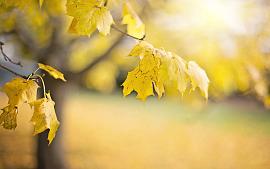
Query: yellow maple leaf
x=141, y=48
x=44, y=117
x=20, y=90
x=103, y=20
x=159, y=69
x=89, y=16
x=8, y=119
x=80, y=8
x=162, y=78
x=139, y=82
x=198, y=77
x=142, y=78
x=178, y=73
x=52, y=71
x=82, y=26
x=135, y=26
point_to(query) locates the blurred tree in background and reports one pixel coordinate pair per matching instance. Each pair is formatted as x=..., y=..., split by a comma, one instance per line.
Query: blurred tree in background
x=229, y=39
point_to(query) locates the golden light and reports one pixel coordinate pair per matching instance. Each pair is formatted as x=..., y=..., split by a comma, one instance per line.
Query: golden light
x=217, y=15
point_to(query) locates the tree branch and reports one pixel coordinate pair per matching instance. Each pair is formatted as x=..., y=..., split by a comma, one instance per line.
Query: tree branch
x=13, y=72
x=77, y=76
x=103, y=56
x=119, y=30
x=6, y=57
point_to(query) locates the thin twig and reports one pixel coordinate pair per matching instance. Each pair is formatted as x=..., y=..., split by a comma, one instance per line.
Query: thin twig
x=119, y=30
x=13, y=72
x=6, y=57
x=43, y=84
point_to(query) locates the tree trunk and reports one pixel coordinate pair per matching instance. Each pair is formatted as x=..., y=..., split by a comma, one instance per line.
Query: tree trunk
x=52, y=156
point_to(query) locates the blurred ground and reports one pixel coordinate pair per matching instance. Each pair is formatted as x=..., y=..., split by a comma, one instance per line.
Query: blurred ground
x=111, y=132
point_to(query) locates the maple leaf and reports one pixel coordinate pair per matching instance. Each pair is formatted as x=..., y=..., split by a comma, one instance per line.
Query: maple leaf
x=44, y=117
x=178, y=73
x=135, y=26
x=8, y=119
x=52, y=71
x=198, y=77
x=157, y=67
x=103, y=19
x=89, y=16
x=78, y=8
x=20, y=90
x=141, y=79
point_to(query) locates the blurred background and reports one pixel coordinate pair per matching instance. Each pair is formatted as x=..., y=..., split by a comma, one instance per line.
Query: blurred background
x=101, y=129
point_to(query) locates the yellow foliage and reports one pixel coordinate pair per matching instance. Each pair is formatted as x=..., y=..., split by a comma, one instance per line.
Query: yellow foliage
x=44, y=117
x=52, y=71
x=198, y=77
x=20, y=90
x=178, y=71
x=18, y=14
x=135, y=26
x=8, y=119
x=160, y=68
x=89, y=16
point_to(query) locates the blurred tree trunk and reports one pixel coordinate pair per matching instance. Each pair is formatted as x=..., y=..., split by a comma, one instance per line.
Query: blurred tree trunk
x=56, y=54
x=53, y=156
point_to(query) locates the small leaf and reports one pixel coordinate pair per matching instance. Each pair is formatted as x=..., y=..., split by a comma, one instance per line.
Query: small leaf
x=20, y=90
x=104, y=20
x=8, y=119
x=89, y=16
x=52, y=71
x=138, y=82
x=141, y=79
x=198, y=78
x=178, y=72
x=44, y=117
x=135, y=26
x=159, y=70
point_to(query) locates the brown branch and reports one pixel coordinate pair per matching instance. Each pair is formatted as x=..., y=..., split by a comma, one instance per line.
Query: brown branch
x=77, y=76
x=6, y=57
x=119, y=30
x=13, y=72
x=105, y=55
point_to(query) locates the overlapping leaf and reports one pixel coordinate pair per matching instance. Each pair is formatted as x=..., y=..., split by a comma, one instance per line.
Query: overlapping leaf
x=52, y=71
x=8, y=119
x=44, y=117
x=157, y=67
x=135, y=26
x=198, y=77
x=19, y=91
x=89, y=16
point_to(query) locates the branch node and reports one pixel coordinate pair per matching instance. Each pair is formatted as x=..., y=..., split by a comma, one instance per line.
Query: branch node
x=119, y=30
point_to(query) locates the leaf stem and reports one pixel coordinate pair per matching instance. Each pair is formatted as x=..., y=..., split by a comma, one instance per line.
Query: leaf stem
x=119, y=30
x=43, y=84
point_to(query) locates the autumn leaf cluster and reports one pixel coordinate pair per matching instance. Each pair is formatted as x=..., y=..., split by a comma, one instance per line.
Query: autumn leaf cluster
x=19, y=91
x=157, y=70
